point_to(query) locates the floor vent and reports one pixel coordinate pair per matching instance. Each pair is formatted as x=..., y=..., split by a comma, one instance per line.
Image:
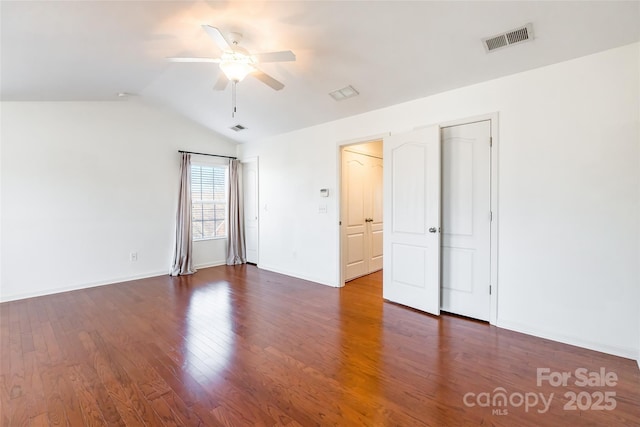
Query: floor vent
x=237, y=128
x=519, y=35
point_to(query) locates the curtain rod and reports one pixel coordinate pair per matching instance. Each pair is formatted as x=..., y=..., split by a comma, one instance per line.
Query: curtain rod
x=205, y=154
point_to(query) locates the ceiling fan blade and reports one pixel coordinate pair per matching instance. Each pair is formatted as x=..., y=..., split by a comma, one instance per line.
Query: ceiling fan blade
x=221, y=83
x=282, y=56
x=267, y=79
x=216, y=60
x=217, y=37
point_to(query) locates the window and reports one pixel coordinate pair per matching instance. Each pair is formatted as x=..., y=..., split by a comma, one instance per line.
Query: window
x=208, y=201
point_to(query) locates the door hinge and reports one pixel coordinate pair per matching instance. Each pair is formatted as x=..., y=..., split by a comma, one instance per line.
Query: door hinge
x=490, y=215
x=339, y=222
x=490, y=141
x=489, y=289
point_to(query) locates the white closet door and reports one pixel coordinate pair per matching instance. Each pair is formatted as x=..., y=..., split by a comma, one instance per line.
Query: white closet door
x=466, y=219
x=354, y=226
x=362, y=214
x=412, y=219
x=375, y=215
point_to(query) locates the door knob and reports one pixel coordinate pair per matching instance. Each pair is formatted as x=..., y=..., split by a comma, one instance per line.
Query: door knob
x=433, y=230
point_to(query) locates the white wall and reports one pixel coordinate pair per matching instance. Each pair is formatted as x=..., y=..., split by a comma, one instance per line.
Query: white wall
x=86, y=183
x=568, y=195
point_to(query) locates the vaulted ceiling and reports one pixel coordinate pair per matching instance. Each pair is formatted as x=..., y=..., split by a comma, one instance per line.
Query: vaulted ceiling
x=390, y=51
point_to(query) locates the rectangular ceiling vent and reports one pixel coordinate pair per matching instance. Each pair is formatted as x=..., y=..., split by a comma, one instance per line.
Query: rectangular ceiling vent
x=344, y=93
x=519, y=35
x=237, y=128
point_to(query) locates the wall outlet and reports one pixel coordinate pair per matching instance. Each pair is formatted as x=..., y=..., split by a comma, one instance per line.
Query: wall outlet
x=133, y=256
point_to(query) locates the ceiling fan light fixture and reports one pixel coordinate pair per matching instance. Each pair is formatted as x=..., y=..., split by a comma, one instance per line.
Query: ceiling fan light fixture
x=236, y=62
x=236, y=66
x=235, y=71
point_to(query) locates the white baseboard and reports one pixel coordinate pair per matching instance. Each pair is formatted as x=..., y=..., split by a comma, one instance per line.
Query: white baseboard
x=51, y=291
x=296, y=275
x=210, y=264
x=626, y=352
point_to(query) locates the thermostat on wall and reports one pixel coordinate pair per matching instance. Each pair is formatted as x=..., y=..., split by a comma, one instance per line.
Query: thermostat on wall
x=324, y=192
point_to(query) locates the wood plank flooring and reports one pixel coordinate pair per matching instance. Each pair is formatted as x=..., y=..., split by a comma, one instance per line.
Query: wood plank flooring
x=238, y=346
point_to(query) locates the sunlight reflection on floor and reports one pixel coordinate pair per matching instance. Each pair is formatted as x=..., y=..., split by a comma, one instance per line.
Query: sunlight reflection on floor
x=209, y=340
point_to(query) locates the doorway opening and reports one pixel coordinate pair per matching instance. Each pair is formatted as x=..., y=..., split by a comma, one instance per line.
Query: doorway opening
x=361, y=207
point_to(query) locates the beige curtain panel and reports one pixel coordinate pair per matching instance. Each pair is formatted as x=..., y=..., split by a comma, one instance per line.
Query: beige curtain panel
x=183, y=250
x=236, y=251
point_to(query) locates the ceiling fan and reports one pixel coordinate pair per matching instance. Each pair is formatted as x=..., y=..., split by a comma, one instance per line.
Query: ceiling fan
x=236, y=62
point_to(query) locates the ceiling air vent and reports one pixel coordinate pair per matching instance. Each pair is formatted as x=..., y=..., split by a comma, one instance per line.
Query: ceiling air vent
x=519, y=35
x=344, y=93
x=237, y=128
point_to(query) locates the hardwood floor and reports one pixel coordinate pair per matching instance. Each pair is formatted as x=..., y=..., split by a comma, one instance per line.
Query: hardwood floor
x=237, y=346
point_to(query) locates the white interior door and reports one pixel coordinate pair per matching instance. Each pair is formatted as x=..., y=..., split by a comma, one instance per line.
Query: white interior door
x=354, y=224
x=250, y=189
x=466, y=219
x=375, y=215
x=362, y=213
x=412, y=219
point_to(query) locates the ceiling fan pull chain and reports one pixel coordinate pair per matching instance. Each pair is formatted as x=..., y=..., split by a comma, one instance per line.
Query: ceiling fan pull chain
x=233, y=99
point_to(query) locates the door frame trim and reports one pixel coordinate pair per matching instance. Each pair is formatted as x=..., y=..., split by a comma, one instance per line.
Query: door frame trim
x=493, y=276
x=257, y=160
x=340, y=146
